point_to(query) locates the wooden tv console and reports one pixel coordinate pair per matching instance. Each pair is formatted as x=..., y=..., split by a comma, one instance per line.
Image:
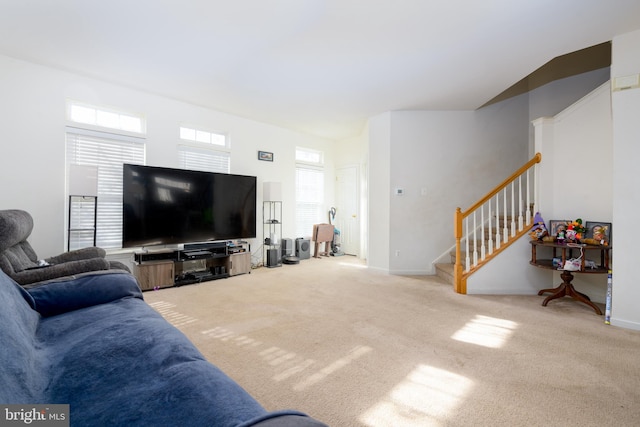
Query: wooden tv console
x=201, y=263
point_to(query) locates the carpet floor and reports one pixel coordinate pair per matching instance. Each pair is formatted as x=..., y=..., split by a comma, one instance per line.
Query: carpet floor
x=357, y=347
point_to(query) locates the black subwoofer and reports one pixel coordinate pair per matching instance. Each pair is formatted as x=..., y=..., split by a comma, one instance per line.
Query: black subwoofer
x=273, y=258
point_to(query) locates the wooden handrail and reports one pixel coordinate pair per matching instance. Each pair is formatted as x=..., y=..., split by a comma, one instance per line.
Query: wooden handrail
x=536, y=159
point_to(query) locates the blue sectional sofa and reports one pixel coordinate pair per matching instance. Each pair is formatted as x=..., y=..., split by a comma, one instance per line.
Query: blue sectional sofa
x=91, y=342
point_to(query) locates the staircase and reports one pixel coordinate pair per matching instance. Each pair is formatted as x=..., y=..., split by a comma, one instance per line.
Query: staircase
x=491, y=225
x=445, y=270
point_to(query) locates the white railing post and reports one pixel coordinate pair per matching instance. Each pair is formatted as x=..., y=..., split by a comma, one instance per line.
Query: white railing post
x=528, y=221
x=483, y=251
x=467, y=261
x=475, y=241
x=498, y=237
x=513, y=209
x=520, y=217
x=490, y=234
x=505, y=219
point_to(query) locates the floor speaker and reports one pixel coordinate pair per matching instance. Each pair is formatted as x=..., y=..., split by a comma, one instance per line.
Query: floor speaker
x=303, y=248
x=287, y=247
x=273, y=260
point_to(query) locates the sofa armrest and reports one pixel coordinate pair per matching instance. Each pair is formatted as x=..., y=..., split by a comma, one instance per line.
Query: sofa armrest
x=39, y=274
x=77, y=255
x=60, y=296
x=283, y=418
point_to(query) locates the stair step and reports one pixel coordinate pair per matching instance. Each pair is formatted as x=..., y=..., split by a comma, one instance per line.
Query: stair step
x=445, y=272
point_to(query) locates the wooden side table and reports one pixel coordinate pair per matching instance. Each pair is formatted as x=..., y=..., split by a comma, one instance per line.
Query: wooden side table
x=568, y=251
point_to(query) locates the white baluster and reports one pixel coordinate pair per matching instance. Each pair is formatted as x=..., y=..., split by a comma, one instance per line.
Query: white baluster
x=490, y=233
x=505, y=220
x=475, y=241
x=498, y=238
x=528, y=222
x=535, y=188
x=513, y=209
x=467, y=261
x=483, y=252
x=520, y=217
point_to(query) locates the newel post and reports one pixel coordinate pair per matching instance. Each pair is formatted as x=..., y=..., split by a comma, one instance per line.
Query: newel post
x=458, y=285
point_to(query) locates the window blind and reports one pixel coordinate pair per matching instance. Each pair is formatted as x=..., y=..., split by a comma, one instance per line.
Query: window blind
x=108, y=152
x=203, y=159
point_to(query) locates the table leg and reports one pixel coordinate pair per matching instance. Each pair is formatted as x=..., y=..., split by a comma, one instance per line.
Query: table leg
x=567, y=289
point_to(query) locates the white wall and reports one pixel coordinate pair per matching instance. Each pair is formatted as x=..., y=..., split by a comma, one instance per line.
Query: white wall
x=379, y=191
x=626, y=200
x=32, y=167
x=443, y=160
x=552, y=98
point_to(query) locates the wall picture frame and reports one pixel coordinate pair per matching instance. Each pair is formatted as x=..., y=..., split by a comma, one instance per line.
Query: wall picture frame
x=265, y=156
x=599, y=230
x=555, y=225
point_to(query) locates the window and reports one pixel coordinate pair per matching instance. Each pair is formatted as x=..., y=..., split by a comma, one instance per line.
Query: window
x=94, y=143
x=309, y=190
x=105, y=118
x=204, y=151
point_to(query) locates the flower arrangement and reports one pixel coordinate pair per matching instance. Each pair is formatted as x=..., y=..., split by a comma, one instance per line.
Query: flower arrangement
x=577, y=229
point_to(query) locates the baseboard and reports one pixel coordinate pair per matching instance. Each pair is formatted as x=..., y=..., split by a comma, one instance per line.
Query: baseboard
x=625, y=324
x=501, y=292
x=411, y=273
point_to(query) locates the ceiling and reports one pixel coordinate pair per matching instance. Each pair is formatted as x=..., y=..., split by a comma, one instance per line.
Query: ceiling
x=322, y=67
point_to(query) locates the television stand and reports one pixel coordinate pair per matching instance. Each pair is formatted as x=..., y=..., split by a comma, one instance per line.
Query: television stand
x=168, y=268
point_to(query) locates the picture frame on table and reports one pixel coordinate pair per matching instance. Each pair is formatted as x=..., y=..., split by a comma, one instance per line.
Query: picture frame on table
x=599, y=230
x=555, y=225
x=265, y=156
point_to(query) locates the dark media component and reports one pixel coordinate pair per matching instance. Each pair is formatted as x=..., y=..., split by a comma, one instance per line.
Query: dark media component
x=168, y=206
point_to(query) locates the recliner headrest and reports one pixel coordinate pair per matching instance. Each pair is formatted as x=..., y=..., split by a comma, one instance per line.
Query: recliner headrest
x=15, y=226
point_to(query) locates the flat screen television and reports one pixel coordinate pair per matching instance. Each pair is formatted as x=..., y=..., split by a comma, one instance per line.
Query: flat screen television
x=163, y=206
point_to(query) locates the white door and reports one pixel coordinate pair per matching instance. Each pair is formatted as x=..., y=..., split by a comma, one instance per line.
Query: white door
x=347, y=218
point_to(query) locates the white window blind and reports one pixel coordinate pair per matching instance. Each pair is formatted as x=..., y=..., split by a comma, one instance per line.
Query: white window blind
x=203, y=159
x=108, y=152
x=204, y=150
x=309, y=199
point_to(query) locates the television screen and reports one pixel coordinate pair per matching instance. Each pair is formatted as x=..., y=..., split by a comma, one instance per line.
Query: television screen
x=168, y=206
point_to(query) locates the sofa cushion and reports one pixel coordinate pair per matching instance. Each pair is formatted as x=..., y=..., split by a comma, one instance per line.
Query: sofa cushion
x=84, y=290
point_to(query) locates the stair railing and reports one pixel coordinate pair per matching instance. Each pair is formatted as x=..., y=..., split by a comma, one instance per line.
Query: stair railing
x=494, y=222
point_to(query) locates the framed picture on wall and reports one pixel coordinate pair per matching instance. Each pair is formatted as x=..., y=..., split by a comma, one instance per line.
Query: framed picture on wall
x=265, y=155
x=600, y=231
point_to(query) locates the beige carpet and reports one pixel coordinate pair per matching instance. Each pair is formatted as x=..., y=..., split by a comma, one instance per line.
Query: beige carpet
x=354, y=347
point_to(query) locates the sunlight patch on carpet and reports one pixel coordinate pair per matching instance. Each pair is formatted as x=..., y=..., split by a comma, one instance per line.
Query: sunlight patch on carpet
x=355, y=353
x=175, y=318
x=350, y=264
x=428, y=396
x=486, y=331
x=224, y=334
